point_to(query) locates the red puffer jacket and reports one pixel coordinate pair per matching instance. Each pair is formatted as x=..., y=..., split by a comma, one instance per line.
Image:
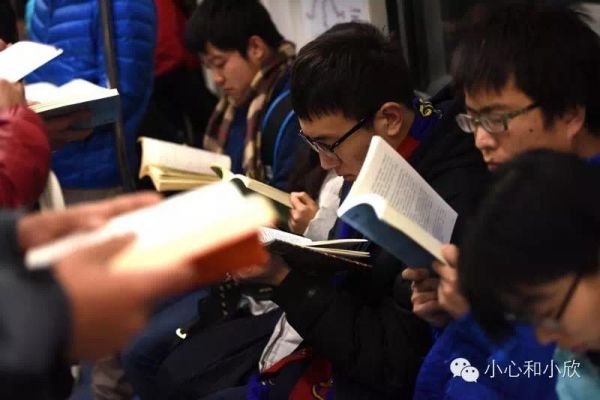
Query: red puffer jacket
x=24, y=157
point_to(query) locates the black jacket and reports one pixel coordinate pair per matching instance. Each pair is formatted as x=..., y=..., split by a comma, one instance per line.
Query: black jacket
x=34, y=325
x=365, y=327
x=8, y=23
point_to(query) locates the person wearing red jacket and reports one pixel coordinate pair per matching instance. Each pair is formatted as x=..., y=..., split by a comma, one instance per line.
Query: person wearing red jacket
x=181, y=104
x=24, y=149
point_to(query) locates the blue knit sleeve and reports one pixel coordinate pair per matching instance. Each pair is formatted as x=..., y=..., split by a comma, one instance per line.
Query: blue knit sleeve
x=501, y=367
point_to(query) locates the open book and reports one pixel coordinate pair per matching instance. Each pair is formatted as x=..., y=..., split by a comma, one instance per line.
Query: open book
x=215, y=225
x=174, y=167
x=303, y=253
x=247, y=185
x=22, y=58
x=391, y=204
x=78, y=95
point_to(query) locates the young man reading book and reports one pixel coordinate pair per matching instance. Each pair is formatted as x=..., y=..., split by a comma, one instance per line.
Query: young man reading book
x=513, y=104
x=249, y=61
x=361, y=339
x=541, y=263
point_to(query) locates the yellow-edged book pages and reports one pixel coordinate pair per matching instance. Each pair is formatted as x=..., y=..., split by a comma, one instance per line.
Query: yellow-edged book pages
x=261, y=188
x=175, y=167
x=392, y=205
x=190, y=226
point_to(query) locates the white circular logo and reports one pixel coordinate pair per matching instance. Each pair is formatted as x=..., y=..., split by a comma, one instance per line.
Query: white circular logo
x=457, y=365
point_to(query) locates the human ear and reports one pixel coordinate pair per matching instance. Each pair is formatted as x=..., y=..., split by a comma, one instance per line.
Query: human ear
x=392, y=115
x=575, y=120
x=257, y=50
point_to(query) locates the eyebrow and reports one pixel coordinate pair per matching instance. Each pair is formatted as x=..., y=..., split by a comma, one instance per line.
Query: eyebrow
x=319, y=138
x=211, y=59
x=489, y=108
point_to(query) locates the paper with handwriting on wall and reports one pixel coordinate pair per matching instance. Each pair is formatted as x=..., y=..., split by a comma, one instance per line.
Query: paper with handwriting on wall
x=22, y=58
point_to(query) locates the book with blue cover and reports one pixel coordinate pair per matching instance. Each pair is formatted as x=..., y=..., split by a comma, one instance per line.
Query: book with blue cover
x=392, y=205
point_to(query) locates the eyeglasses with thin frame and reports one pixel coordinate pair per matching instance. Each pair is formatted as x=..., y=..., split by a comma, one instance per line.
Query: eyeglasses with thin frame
x=496, y=123
x=329, y=149
x=553, y=323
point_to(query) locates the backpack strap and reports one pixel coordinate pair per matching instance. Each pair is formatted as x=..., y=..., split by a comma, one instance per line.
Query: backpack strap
x=276, y=119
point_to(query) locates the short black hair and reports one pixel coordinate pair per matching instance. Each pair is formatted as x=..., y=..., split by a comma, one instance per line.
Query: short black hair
x=552, y=55
x=228, y=24
x=353, y=69
x=539, y=222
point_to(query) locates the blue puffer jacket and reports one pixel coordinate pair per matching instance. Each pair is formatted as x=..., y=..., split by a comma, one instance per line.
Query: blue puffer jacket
x=520, y=368
x=75, y=27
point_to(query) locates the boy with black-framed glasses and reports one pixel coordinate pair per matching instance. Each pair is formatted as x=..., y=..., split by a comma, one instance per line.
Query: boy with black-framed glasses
x=361, y=339
x=529, y=77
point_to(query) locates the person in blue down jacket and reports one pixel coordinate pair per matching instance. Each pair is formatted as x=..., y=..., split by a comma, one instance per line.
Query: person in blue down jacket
x=75, y=26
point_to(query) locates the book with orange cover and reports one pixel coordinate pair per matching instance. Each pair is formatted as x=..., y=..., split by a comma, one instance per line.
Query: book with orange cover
x=215, y=227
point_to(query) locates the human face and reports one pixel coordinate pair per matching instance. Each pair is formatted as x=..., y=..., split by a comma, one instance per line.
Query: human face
x=564, y=311
x=525, y=132
x=230, y=71
x=349, y=155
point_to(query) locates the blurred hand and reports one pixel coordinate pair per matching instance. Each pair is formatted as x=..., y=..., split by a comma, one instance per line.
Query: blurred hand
x=108, y=308
x=3, y=45
x=303, y=211
x=273, y=273
x=60, y=131
x=40, y=228
x=448, y=291
x=11, y=94
x=425, y=297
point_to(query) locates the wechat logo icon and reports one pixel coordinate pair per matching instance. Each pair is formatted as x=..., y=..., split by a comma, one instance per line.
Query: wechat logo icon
x=463, y=368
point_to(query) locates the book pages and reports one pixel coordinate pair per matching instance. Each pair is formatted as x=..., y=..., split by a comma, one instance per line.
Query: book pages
x=387, y=174
x=180, y=227
x=22, y=58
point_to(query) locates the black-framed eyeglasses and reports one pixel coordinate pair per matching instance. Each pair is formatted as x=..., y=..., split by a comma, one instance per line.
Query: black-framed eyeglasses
x=553, y=323
x=496, y=123
x=329, y=149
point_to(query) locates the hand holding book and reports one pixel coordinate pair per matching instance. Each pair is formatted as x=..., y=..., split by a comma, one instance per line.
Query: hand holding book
x=391, y=204
x=60, y=128
x=448, y=291
x=183, y=229
x=11, y=94
x=304, y=209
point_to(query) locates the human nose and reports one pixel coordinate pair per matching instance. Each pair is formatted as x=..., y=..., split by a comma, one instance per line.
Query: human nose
x=217, y=77
x=484, y=139
x=328, y=161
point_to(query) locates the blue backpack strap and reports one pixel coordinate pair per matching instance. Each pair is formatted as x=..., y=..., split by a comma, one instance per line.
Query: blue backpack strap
x=273, y=126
